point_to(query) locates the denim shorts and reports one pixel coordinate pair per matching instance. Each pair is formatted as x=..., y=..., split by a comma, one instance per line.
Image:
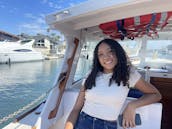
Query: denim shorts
x=88, y=122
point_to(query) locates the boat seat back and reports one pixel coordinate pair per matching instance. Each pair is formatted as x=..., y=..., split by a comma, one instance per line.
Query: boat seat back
x=150, y=114
x=68, y=101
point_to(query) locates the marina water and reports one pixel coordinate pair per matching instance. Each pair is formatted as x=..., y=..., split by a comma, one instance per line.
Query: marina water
x=22, y=83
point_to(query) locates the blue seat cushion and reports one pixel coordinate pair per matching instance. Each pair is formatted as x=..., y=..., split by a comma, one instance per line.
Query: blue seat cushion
x=135, y=93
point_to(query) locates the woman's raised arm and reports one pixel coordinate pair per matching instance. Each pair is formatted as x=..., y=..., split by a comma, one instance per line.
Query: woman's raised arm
x=151, y=95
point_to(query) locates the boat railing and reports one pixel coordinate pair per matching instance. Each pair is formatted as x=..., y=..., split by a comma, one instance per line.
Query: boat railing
x=27, y=107
x=14, y=114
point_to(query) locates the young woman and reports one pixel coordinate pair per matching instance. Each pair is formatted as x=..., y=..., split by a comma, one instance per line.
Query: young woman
x=105, y=89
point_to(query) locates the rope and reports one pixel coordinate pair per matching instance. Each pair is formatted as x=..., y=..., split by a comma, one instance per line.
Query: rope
x=10, y=116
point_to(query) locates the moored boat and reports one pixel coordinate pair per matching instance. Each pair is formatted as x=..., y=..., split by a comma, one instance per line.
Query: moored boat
x=19, y=51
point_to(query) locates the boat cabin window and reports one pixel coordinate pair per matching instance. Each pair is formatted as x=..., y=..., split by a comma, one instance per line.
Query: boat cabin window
x=84, y=65
x=158, y=53
x=22, y=50
x=153, y=53
x=25, y=41
x=85, y=60
x=132, y=48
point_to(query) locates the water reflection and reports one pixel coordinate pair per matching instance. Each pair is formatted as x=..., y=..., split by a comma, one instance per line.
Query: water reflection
x=21, y=83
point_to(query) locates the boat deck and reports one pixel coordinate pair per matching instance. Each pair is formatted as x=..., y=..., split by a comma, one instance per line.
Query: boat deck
x=26, y=122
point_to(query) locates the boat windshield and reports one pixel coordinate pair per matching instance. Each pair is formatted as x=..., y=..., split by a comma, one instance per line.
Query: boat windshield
x=25, y=41
x=159, y=53
x=153, y=53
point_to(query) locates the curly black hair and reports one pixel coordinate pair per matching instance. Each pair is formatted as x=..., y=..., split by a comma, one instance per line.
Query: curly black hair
x=121, y=71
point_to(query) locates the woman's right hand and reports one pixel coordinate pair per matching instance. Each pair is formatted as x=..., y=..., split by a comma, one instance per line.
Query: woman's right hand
x=69, y=125
x=129, y=116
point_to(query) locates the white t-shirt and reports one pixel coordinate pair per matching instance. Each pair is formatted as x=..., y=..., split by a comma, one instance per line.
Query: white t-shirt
x=104, y=101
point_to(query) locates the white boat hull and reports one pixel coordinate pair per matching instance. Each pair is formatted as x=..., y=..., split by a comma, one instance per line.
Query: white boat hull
x=20, y=51
x=20, y=57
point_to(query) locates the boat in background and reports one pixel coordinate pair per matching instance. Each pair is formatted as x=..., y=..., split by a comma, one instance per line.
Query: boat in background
x=83, y=27
x=19, y=51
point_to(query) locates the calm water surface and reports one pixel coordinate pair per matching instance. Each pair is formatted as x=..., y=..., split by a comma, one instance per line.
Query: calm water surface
x=21, y=83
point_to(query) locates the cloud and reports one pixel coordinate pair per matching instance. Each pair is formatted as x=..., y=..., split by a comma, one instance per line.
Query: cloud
x=36, y=25
x=44, y=1
x=32, y=28
x=37, y=19
x=58, y=7
x=12, y=10
x=30, y=15
x=60, y=4
x=53, y=5
x=71, y=4
x=2, y=6
x=40, y=20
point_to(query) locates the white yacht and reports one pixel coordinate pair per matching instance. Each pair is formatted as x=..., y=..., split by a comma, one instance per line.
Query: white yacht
x=143, y=27
x=19, y=51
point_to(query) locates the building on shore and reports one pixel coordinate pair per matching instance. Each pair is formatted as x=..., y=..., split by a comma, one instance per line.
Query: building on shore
x=7, y=36
x=47, y=45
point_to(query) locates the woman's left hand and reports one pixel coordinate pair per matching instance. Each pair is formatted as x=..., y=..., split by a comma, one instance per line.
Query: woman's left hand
x=129, y=116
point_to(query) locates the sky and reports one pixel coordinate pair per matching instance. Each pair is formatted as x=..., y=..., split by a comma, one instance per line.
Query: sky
x=28, y=16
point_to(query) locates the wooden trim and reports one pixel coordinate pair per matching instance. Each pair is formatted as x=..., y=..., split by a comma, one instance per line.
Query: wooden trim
x=18, y=118
x=63, y=80
x=164, y=85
